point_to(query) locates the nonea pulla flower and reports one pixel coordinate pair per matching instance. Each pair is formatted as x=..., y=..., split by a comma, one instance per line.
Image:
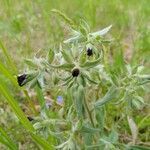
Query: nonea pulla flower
x=21, y=79
x=89, y=52
x=75, y=72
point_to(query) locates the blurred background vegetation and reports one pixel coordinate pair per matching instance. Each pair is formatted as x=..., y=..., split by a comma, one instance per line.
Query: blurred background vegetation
x=27, y=27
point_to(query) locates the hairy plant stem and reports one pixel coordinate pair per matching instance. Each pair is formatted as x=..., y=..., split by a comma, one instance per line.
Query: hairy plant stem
x=33, y=109
x=88, y=111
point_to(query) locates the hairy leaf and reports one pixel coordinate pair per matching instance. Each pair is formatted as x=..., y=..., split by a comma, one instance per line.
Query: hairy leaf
x=110, y=95
x=91, y=64
x=66, y=56
x=101, y=32
x=50, y=56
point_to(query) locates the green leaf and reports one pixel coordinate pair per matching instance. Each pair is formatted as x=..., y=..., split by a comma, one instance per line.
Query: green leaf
x=113, y=136
x=83, y=30
x=32, y=75
x=79, y=97
x=73, y=39
x=85, y=24
x=40, y=80
x=65, y=66
x=110, y=95
x=31, y=63
x=89, y=78
x=88, y=138
x=91, y=64
x=101, y=32
x=88, y=129
x=71, y=83
x=40, y=96
x=143, y=79
x=137, y=102
x=68, y=81
x=81, y=80
x=66, y=56
x=63, y=145
x=33, y=83
x=50, y=56
x=82, y=58
x=100, y=117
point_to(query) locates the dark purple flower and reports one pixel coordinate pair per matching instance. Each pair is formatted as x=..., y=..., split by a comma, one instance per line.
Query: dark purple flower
x=75, y=72
x=21, y=79
x=89, y=52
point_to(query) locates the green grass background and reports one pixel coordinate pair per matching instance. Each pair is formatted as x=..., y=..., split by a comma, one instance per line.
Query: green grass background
x=27, y=26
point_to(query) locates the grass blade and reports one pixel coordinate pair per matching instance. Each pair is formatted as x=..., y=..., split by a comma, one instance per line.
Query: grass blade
x=5, y=139
x=15, y=107
x=9, y=59
x=7, y=74
x=41, y=142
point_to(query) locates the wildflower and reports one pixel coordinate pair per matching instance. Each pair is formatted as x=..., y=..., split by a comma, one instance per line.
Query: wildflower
x=89, y=52
x=60, y=100
x=21, y=79
x=75, y=72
